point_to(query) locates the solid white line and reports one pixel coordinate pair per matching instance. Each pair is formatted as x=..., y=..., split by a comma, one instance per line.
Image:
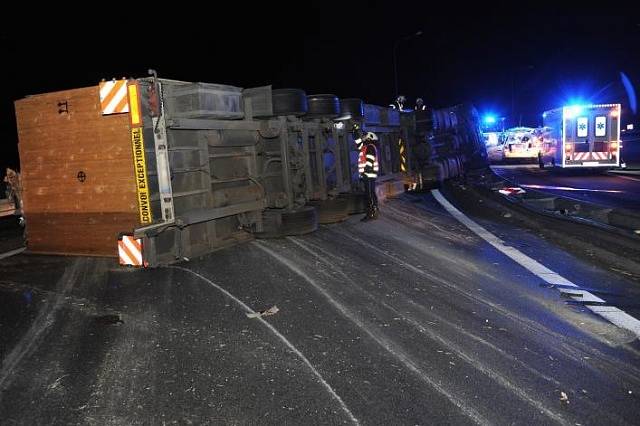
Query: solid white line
x=12, y=252
x=611, y=313
x=568, y=188
x=281, y=337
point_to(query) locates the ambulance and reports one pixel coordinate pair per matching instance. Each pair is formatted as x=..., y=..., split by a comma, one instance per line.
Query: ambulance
x=581, y=136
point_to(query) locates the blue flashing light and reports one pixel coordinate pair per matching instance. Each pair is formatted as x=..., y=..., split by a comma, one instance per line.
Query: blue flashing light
x=489, y=119
x=572, y=111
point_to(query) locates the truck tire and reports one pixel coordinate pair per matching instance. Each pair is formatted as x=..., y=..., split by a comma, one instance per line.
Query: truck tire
x=324, y=105
x=332, y=210
x=430, y=176
x=355, y=201
x=289, y=102
x=353, y=107
x=278, y=223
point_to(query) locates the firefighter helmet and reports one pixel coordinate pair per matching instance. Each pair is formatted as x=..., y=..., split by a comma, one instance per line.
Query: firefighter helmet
x=370, y=136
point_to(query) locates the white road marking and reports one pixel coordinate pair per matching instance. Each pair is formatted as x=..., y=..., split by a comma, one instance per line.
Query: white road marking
x=12, y=252
x=611, y=313
x=568, y=188
x=304, y=359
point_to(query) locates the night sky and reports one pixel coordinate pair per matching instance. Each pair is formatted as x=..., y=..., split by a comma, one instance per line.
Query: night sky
x=487, y=56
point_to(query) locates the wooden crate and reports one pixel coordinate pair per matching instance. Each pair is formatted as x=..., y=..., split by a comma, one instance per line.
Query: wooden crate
x=79, y=190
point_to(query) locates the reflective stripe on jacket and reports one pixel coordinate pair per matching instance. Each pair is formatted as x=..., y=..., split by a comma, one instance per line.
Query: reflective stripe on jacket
x=368, y=161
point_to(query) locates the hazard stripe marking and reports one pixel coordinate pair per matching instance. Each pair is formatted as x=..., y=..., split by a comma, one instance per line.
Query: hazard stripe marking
x=113, y=97
x=134, y=248
x=125, y=258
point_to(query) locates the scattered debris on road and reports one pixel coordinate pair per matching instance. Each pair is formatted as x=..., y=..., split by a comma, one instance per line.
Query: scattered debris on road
x=271, y=311
x=108, y=320
x=564, y=398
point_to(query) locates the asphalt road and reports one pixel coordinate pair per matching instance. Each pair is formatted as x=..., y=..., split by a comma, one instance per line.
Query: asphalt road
x=412, y=319
x=609, y=189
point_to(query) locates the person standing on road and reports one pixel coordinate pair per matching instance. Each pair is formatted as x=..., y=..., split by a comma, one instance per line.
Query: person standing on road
x=398, y=103
x=368, y=168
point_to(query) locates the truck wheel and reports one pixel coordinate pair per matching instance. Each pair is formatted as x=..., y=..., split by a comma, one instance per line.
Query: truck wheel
x=278, y=223
x=323, y=105
x=289, y=102
x=331, y=210
x=353, y=107
x=356, y=202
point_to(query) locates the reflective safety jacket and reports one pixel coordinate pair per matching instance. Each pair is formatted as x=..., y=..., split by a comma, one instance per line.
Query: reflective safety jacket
x=368, y=161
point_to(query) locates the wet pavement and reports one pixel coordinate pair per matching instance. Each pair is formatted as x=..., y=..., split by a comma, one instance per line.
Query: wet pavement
x=608, y=190
x=411, y=319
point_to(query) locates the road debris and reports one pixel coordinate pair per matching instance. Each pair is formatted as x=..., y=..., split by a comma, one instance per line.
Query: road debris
x=108, y=320
x=271, y=311
x=564, y=398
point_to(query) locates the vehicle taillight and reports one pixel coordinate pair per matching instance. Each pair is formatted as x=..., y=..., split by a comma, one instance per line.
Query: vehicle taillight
x=613, y=146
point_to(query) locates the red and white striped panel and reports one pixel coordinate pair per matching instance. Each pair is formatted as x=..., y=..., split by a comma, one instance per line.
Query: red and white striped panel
x=130, y=251
x=586, y=156
x=600, y=155
x=113, y=97
x=581, y=156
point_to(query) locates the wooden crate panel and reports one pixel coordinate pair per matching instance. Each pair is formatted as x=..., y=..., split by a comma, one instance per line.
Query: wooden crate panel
x=77, y=233
x=77, y=173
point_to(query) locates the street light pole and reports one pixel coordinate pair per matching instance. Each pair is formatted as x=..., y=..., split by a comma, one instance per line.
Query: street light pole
x=396, y=43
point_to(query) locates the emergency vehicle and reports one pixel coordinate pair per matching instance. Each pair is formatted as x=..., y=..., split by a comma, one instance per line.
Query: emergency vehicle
x=582, y=136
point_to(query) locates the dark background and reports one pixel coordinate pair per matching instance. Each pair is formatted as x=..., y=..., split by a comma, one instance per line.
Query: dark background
x=530, y=59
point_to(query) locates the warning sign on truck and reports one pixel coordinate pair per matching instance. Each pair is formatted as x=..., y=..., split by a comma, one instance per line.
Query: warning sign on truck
x=140, y=167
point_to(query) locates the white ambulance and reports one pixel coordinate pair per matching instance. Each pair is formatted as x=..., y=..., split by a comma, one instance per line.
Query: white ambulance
x=581, y=136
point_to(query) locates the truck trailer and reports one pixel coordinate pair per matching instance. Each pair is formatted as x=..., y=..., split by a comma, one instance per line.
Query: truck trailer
x=155, y=171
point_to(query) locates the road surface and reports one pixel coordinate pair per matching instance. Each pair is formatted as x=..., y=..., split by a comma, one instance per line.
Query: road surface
x=411, y=319
x=606, y=189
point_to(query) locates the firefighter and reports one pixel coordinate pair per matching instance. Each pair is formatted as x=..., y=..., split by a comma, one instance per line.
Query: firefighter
x=399, y=103
x=368, y=168
x=420, y=106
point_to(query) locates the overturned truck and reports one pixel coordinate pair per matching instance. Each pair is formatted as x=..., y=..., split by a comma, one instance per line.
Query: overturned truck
x=157, y=170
